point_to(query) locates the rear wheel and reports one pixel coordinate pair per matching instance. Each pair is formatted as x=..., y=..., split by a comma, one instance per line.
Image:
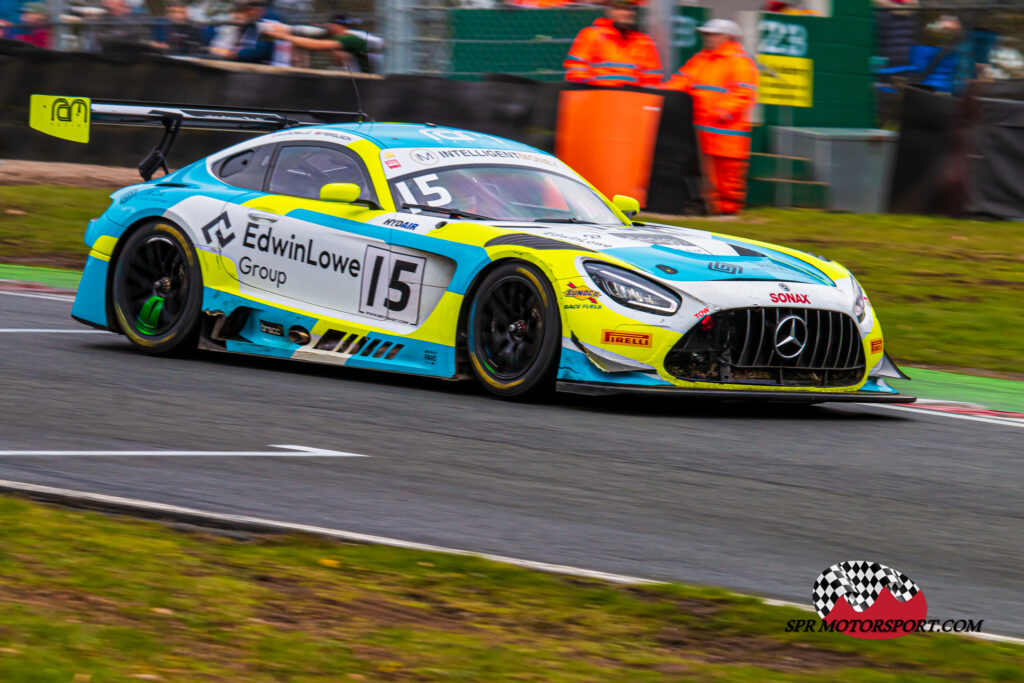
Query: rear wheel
x=157, y=289
x=514, y=331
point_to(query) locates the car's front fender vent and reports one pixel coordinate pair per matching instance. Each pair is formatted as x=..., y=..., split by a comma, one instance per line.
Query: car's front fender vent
x=780, y=346
x=340, y=342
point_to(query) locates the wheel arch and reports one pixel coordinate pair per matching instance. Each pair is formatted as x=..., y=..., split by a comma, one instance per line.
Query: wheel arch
x=461, y=333
x=108, y=290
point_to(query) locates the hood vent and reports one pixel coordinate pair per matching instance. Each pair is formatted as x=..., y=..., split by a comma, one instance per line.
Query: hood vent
x=533, y=242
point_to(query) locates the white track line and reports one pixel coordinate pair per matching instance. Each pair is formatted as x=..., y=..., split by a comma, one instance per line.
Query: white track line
x=32, y=295
x=355, y=537
x=44, y=330
x=291, y=452
x=1003, y=421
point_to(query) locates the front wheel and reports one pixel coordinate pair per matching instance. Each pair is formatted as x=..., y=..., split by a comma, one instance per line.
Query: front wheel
x=514, y=331
x=157, y=289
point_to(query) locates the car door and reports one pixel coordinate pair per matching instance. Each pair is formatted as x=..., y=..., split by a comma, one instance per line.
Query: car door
x=297, y=247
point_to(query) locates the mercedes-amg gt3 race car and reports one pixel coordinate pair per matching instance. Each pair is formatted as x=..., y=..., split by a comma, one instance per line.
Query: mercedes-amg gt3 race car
x=428, y=250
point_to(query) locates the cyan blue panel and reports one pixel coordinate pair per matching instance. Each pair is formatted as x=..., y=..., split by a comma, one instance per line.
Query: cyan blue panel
x=878, y=386
x=576, y=367
x=692, y=267
x=91, y=299
x=421, y=135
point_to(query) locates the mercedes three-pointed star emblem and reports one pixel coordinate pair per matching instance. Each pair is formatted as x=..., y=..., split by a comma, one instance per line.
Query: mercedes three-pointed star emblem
x=790, y=336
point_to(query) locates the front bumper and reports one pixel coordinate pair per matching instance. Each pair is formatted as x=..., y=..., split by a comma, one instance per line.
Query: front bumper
x=606, y=389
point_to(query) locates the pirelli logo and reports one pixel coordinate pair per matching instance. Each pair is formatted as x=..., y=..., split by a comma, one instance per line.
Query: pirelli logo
x=641, y=339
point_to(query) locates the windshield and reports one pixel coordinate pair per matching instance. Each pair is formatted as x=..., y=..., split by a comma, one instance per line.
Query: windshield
x=506, y=193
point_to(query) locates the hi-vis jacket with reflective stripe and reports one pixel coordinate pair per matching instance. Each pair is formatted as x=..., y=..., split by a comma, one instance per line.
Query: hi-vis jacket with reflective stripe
x=723, y=83
x=603, y=55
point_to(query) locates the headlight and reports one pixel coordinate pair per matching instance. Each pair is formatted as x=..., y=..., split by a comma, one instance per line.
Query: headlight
x=630, y=289
x=860, y=301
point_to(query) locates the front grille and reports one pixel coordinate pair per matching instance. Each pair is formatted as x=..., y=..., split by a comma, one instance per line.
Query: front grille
x=742, y=345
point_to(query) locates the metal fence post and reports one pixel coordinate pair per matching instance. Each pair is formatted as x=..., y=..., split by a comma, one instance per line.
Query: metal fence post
x=394, y=17
x=659, y=26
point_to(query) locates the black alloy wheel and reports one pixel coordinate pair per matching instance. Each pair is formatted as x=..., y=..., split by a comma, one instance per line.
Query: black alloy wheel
x=514, y=330
x=157, y=289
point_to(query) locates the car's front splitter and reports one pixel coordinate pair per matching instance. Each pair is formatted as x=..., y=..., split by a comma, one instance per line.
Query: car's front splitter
x=604, y=389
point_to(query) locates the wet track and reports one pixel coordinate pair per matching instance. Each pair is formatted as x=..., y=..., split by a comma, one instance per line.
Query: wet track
x=755, y=498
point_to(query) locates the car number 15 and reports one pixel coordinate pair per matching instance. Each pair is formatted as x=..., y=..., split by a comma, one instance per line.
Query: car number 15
x=391, y=285
x=433, y=195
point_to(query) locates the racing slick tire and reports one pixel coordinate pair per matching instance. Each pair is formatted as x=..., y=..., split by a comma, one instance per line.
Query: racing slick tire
x=157, y=290
x=514, y=331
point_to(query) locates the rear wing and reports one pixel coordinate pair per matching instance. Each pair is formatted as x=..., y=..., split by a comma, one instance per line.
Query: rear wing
x=70, y=118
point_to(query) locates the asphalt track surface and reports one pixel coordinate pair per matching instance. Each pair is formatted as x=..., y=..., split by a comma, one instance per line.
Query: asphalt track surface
x=758, y=498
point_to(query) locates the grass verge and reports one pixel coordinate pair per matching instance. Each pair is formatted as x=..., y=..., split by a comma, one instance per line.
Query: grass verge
x=43, y=224
x=90, y=598
x=947, y=291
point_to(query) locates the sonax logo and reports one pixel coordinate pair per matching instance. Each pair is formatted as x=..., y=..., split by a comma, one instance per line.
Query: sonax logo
x=789, y=298
x=641, y=339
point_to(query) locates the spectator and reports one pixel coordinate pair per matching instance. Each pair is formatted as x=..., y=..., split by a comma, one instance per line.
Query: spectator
x=35, y=27
x=612, y=52
x=722, y=79
x=353, y=48
x=225, y=35
x=118, y=25
x=203, y=12
x=10, y=14
x=254, y=43
x=176, y=34
x=895, y=30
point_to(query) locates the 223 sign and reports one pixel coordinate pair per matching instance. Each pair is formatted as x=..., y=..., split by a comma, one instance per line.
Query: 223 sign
x=391, y=285
x=782, y=38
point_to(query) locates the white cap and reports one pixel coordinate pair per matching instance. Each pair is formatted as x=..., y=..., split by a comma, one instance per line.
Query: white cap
x=726, y=26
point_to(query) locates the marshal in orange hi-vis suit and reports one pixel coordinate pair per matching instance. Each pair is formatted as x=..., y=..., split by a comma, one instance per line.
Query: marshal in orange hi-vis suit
x=722, y=79
x=604, y=54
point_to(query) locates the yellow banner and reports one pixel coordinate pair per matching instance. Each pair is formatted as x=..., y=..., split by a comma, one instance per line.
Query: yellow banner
x=62, y=117
x=788, y=81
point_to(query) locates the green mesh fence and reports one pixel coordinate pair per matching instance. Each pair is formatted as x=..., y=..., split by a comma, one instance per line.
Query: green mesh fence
x=533, y=43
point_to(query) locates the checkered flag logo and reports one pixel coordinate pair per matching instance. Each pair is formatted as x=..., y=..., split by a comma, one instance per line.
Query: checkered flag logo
x=860, y=583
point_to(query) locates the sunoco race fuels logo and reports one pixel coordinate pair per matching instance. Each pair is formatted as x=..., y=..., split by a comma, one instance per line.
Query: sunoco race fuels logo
x=582, y=293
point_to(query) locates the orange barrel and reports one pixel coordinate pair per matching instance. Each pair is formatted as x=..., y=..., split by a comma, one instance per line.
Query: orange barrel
x=608, y=137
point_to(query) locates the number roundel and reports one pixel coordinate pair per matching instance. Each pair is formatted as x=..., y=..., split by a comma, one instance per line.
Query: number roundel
x=391, y=285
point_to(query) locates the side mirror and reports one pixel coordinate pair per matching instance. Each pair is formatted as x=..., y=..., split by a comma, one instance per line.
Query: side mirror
x=340, y=192
x=626, y=205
